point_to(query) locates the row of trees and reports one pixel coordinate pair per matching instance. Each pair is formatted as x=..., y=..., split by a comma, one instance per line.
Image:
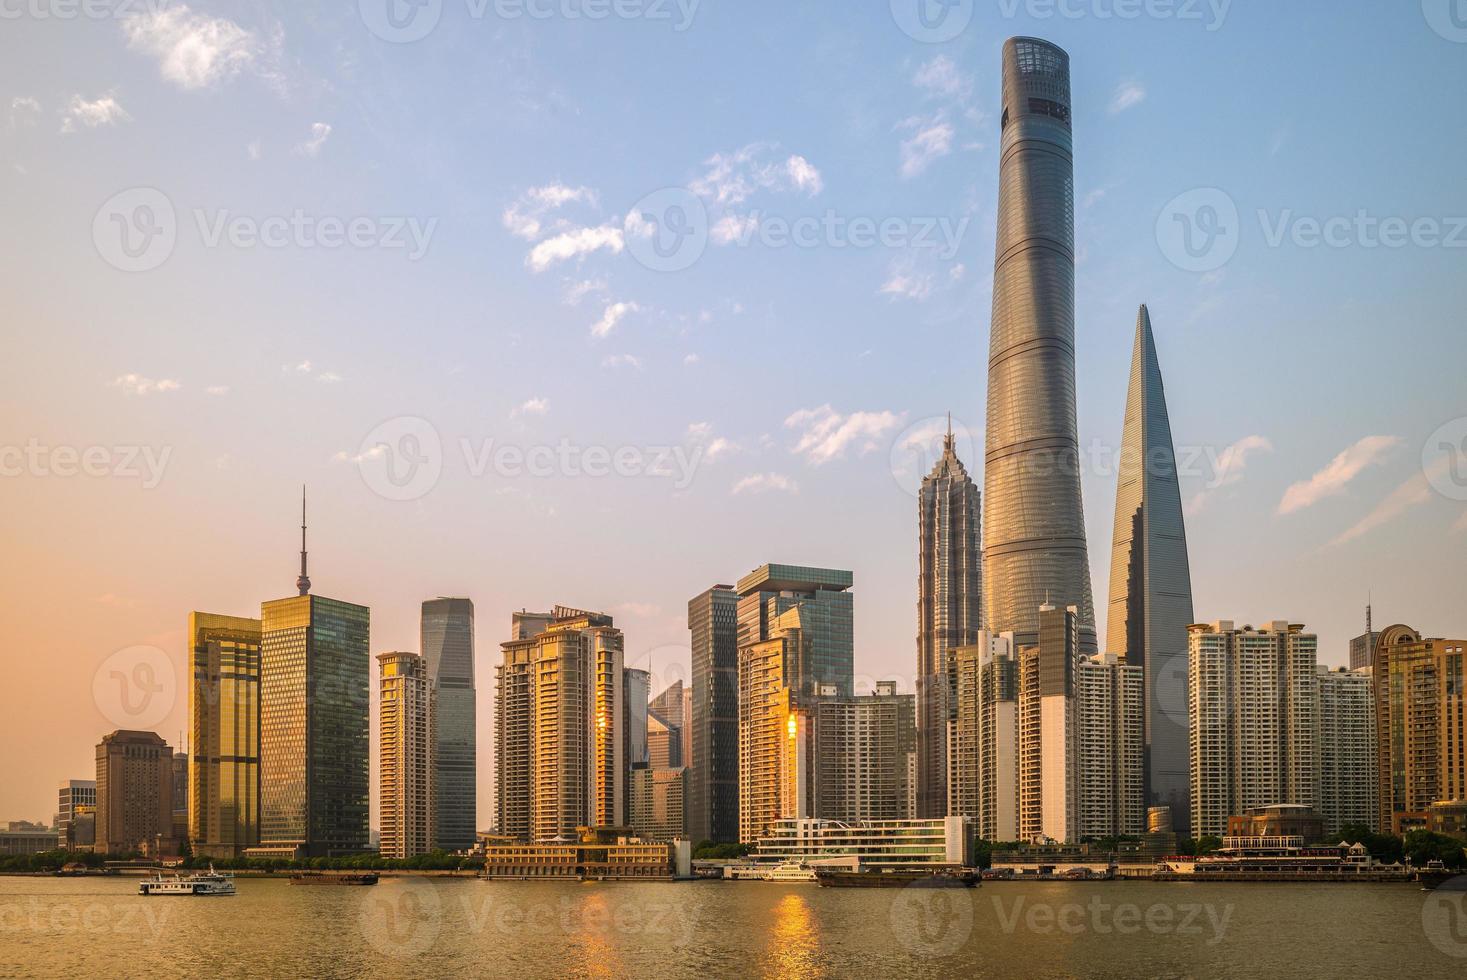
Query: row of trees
x=1417, y=848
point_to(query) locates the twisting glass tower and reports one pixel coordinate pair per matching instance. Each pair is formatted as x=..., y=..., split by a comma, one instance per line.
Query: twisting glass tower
x=1033, y=519
x=1150, y=578
x=949, y=612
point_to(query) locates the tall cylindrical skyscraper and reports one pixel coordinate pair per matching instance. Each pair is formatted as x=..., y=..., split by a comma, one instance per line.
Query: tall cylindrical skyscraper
x=1034, y=523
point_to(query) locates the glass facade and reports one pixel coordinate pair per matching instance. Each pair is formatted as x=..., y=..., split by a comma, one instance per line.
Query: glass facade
x=224, y=733
x=314, y=702
x=713, y=780
x=448, y=648
x=1150, y=577
x=1033, y=519
x=827, y=657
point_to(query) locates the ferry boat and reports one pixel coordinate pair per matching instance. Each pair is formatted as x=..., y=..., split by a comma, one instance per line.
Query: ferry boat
x=792, y=871
x=211, y=883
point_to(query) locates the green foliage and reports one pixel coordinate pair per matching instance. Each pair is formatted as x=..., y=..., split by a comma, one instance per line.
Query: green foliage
x=711, y=851
x=1422, y=846
x=434, y=861
x=1199, y=846
x=1386, y=848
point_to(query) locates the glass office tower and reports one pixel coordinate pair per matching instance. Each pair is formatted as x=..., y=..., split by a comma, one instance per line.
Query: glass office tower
x=1150, y=579
x=224, y=734
x=827, y=658
x=315, y=671
x=713, y=780
x=448, y=648
x=1033, y=519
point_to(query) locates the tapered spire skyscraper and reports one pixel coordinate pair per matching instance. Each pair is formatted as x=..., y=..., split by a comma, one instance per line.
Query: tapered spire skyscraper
x=1150, y=578
x=1033, y=519
x=949, y=611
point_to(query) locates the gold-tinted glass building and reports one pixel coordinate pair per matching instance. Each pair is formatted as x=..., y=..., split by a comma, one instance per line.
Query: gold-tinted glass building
x=224, y=732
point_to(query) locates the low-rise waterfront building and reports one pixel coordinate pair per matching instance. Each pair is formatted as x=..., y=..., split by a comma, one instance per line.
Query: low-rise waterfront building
x=74, y=795
x=23, y=838
x=605, y=853
x=869, y=844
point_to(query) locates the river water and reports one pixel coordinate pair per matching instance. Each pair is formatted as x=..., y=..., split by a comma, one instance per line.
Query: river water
x=432, y=927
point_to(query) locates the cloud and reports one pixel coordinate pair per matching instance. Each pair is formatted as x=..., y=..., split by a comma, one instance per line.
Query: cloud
x=1127, y=95
x=535, y=406
x=252, y=150
x=103, y=111
x=732, y=178
x=328, y=377
x=578, y=291
x=941, y=77
x=574, y=244
x=690, y=359
x=825, y=434
x=614, y=361
x=524, y=217
x=1229, y=468
x=24, y=111
x=908, y=285
x=217, y=390
x=136, y=384
x=195, y=50
x=614, y=314
x=714, y=447
x=320, y=132
x=765, y=483
x=932, y=139
x=1334, y=478
x=732, y=228
x=1409, y=495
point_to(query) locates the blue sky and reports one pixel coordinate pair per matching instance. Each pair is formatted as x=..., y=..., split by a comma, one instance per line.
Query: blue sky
x=792, y=377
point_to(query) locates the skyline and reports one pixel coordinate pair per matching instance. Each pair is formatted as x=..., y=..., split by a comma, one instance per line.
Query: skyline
x=128, y=360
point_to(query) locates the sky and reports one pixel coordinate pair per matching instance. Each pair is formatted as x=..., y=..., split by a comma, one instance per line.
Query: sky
x=566, y=302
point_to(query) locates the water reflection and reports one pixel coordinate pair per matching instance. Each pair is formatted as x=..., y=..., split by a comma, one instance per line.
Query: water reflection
x=596, y=926
x=793, y=942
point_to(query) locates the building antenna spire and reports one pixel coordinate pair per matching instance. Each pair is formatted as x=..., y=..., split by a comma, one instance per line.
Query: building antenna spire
x=948, y=442
x=303, y=584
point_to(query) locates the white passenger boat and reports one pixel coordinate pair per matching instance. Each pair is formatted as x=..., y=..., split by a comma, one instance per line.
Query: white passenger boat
x=792, y=871
x=210, y=883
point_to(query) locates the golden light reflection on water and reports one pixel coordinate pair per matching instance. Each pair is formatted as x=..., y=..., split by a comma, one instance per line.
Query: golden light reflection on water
x=595, y=936
x=793, y=943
